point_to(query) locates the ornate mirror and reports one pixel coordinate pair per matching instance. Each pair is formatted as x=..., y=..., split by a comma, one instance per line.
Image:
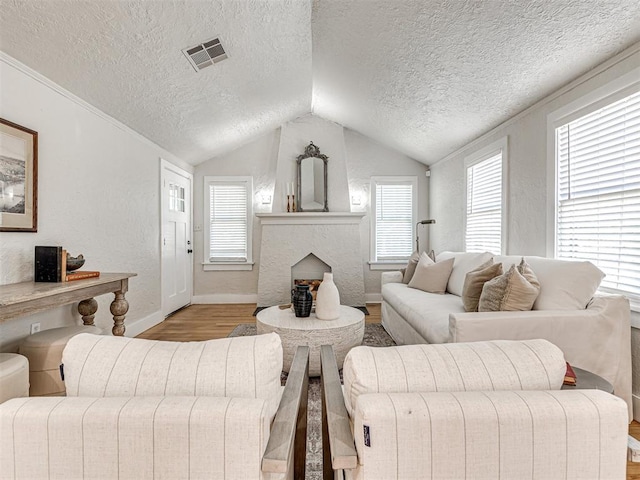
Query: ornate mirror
x=312, y=180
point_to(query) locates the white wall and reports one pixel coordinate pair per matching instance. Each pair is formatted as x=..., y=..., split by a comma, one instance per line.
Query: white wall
x=259, y=159
x=367, y=158
x=527, y=185
x=98, y=194
x=329, y=138
x=271, y=159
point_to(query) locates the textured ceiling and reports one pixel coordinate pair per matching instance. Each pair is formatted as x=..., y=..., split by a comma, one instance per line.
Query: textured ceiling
x=423, y=77
x=427, y=77
x=125, y=58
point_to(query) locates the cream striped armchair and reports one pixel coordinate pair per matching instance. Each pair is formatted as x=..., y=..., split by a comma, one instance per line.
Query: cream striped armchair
x=483, y=410
x=139, y=409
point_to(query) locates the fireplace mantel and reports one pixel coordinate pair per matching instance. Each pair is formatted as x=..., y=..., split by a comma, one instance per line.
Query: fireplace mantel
x=310, y=218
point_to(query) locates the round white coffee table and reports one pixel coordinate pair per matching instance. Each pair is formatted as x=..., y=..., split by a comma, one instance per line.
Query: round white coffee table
x=344, y=333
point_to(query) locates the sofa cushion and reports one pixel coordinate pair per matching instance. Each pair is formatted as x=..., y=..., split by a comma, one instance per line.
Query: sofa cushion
x=454, y=367
x=463, y=264
x=432, y=277
x=107, y=366
x=515, y=290
x=564, y=284
x=427, y=313
x=475, y=280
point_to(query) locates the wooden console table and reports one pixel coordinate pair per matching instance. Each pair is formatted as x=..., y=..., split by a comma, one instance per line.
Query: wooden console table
x=19, y=299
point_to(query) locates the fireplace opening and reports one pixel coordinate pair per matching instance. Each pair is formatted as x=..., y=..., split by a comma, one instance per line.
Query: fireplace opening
x=309, y=271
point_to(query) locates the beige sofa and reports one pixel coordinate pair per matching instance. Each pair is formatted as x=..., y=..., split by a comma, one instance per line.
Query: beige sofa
x=592, y=330
x=146, y=409
x=481, y=410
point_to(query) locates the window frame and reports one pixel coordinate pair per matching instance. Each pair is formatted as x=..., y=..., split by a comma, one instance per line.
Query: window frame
x=207, y=264
x=500, y=146
x=374, y=263
x=616, y=90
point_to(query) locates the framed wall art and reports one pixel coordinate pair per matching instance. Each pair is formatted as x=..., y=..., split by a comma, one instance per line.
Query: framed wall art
x=18, y=178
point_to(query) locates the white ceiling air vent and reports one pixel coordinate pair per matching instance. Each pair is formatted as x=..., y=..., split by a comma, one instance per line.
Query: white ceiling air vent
x=205, y=54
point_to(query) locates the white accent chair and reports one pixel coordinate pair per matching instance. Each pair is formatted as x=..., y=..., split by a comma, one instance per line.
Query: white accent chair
x=480, y=410
x=147, y=409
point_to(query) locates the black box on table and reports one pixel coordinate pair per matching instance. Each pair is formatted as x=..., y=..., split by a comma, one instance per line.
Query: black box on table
x=48, y=264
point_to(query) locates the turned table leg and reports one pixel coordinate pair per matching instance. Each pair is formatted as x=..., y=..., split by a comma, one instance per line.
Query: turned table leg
x=88, y=308
x=119, y=308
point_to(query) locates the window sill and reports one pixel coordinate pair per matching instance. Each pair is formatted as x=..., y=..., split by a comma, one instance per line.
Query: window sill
x=397, y=265
x=220, y=266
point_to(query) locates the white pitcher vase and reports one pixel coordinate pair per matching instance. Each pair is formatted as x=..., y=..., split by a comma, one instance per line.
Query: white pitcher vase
x=327, y=299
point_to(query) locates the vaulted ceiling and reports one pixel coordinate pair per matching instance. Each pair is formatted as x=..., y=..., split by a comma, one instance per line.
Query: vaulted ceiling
x=421, y=76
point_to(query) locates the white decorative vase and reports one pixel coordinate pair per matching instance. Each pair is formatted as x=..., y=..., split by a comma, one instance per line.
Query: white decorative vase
x=327, y=299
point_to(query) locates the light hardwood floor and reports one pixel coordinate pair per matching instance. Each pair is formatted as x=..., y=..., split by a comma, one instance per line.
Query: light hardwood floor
x=204, y=322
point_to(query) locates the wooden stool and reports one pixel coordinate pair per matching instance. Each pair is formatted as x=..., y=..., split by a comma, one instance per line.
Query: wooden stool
x=44, y=351
x=14, y=376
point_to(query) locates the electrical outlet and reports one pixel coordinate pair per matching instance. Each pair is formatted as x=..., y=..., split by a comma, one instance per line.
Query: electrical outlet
x=35, y=328
x=197, y=228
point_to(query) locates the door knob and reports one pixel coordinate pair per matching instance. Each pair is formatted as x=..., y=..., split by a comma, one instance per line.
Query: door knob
x=189, y=251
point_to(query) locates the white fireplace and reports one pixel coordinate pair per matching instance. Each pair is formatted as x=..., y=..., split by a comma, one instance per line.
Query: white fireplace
x=288, y=238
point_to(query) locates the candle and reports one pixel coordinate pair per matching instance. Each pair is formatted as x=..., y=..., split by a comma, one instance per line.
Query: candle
x=288, y=192
x=293, y=192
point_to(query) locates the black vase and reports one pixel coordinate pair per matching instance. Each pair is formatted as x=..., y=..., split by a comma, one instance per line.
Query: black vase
x=302, y=300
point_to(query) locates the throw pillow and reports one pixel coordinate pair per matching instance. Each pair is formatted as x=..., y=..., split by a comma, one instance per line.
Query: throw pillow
x=515, y=290
x=403, y=271
x=527, y=272
x=432, y=277
x=475, y=280
x=410, y=269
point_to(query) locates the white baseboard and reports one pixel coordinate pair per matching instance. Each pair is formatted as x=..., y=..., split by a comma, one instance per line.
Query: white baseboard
x=224, y=298
x=373, y=297
x=136, y=328
x=636, y=407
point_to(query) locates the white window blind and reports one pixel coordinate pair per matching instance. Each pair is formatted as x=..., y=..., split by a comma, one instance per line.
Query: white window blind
x=394, y=220
x=483, y=232
x=228, y=220
x=598, y=211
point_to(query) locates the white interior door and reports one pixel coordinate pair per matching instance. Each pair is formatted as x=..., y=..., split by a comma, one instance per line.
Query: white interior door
x=176, y=241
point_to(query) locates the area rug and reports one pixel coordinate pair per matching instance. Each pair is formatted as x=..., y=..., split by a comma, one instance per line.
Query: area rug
x=374, y=336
